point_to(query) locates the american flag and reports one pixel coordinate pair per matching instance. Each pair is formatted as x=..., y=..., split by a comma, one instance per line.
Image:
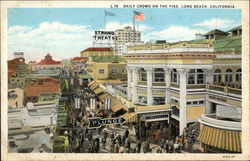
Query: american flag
x=139, y=16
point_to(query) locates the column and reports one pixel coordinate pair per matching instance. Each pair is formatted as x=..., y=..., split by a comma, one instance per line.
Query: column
x=129, y=74
x=168, y=83
x=149, y=86
x=208, y=73
x=183, y=99
x=135, y=80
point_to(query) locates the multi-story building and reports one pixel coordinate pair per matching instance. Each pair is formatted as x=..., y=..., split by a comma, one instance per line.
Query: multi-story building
x=105, y=68
x=181, y=82
x=124, y=36
x=221, y=124
x=98, y=51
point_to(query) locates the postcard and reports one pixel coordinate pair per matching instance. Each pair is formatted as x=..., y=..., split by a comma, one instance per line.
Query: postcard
x=125, y=80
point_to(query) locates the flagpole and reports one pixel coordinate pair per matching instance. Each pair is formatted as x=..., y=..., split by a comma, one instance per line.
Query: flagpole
x=104, y=21
x=134, y=30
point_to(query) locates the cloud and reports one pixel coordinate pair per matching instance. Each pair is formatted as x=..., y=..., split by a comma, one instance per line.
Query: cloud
x=174, y=33
x=61, y=40
x=217, y=23
x=112, y=26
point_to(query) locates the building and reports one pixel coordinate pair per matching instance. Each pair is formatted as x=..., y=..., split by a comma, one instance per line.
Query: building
x=12, y=65
x=32, y=65
x=98, y=51
x=124, y=36
x=19, y=76
x=220, y=126
x=40, y=85
x=79, y=63
x=106, y=68
x=176, y=81
x=48, y=63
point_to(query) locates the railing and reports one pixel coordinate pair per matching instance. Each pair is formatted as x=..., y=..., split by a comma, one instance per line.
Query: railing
x=210, y=119
x=196, y=86
x=175, y=85
x=225, y=89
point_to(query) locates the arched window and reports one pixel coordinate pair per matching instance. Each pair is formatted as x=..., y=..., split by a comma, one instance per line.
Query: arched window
x=217, y=76
x=174, y=76
x=228, y=76
x=238, y=75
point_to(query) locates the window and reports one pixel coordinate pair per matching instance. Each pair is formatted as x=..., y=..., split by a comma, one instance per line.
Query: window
x=228, y=76
x=201, y=102
x=200, y=76
x=191, y=76
x=217, y=76
x=114, y=71
x=159, y=101
x=195, y=76
x=142, y=99
x=143, y=74
x=189, y=103
x=174, y=76
x=101, y=71
x=195, y=102
x=159, y=75
x=238, y=75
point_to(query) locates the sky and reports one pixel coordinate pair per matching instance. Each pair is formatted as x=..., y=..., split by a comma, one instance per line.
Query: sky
x=65, y=32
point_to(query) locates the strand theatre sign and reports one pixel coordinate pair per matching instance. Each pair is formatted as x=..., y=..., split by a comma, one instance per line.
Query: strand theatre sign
x=97, y=122
x=104, y=35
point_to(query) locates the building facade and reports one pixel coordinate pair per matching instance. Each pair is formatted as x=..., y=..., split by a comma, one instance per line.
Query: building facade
x=191, y=81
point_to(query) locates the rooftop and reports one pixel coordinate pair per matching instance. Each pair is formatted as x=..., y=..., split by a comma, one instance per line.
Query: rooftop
x=97, y=49
x=217, y=32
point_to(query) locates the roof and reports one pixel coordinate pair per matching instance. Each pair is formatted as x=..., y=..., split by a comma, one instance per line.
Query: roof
x=227, y=44
x=49, y=62
x=217, y=32
x=80, y=58
x=236, y=28
x=97, y=49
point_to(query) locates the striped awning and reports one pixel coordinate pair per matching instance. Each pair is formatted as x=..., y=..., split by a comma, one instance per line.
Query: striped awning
x=103, y=96
x=116, y=105
x=98, y=90
x=130, y=117
x=91, y=83
x=93, y=86
x=224, y=139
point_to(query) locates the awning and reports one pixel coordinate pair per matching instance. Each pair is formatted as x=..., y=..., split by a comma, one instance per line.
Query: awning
x=153, y=108
x=103, y=96
x=130, y=117
x=224, y=139
x=98, y=90
x=91, y=83
x=93, y=86
x=116, y=105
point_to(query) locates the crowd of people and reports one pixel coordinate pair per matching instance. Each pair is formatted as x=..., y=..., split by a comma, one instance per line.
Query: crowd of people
x=149, y=137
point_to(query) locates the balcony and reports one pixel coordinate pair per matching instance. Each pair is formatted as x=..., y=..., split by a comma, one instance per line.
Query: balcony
x=225, y=90
x=212, y=120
